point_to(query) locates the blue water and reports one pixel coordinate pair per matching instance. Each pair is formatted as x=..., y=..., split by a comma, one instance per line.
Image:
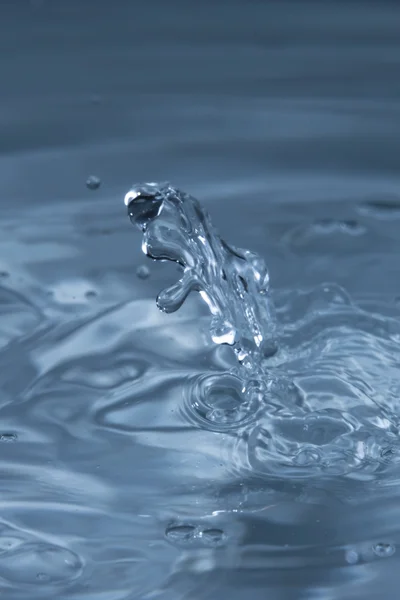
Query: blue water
x=130, y=470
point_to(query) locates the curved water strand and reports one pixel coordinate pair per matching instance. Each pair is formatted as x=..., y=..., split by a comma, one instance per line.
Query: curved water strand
x=233, y=282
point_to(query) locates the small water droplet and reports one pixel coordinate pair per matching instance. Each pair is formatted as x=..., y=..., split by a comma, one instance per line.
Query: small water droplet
x=213, y=537
x=42, y=577
x=383, y=549
x=4, y=274
x=181, y=534
x=352, y=557
x=143, y=272
x=8, y=437
x=93, y=182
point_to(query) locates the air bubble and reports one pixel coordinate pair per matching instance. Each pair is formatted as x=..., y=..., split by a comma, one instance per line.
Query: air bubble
x=143, y=272
x=93, y=182
x=384, y=549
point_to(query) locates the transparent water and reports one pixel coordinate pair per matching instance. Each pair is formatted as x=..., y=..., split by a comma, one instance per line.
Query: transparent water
x=140, y=458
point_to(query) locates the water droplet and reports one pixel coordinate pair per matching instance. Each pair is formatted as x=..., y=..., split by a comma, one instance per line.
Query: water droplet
x=352, y=557
x=384, y=549
x=42, y=577
x=8, y=437
x=213, y=537
x=143, y=272
x=181, y=534
x=4, y=274
x=93, y=182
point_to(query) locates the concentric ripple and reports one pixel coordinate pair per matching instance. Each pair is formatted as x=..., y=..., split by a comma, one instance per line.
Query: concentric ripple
x=220, y=402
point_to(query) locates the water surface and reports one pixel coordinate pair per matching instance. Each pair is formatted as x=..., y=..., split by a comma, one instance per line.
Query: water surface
x=119, y=480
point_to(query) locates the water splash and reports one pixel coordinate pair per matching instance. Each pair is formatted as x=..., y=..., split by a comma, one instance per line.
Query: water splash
x=233, y=282
x=299, y=414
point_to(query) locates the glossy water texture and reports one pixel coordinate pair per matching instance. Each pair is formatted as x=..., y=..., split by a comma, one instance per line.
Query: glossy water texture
x=139, y=459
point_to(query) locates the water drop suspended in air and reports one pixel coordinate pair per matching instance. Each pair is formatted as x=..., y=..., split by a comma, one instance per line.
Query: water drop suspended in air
x=143, y=272
x=93, y=182
x=352, y=557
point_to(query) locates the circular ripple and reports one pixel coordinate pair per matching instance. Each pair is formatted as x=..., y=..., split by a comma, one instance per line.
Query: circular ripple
x=220, y=402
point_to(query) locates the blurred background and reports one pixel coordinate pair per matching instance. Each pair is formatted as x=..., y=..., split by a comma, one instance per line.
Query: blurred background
x=298, y=99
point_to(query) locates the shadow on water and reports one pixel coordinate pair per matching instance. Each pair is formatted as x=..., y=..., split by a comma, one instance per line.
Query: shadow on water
x=117, y=482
